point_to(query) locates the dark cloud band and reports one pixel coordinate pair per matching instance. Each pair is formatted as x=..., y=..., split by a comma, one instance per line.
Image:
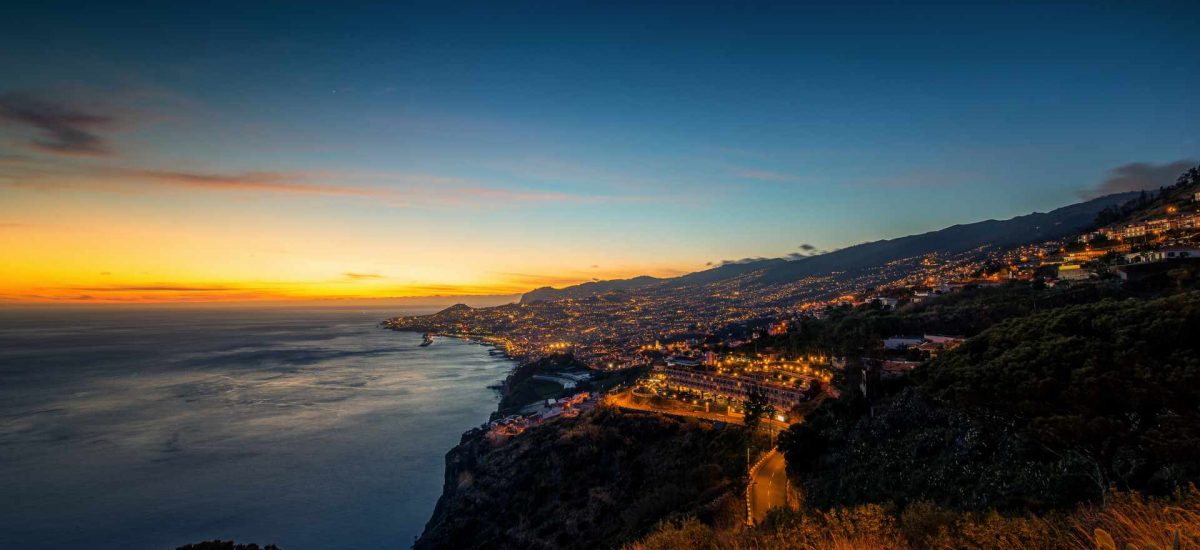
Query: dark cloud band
x=63, y=129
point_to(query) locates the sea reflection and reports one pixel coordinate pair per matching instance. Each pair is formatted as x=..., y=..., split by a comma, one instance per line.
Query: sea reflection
x=150, y=429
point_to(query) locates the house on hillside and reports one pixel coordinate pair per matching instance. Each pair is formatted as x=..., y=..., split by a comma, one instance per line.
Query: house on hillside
x=902, y=342
x=1073, y=272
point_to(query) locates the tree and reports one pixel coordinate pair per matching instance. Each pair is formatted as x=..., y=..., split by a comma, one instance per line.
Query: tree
x=757, y=407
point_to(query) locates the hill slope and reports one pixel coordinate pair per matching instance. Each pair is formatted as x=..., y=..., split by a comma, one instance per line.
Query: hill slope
x=1058, y=223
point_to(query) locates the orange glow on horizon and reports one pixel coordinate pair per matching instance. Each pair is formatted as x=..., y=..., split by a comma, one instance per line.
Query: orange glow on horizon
x=110, y=261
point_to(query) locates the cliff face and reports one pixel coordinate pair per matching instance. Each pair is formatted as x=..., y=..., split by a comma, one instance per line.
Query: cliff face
x=596, y=481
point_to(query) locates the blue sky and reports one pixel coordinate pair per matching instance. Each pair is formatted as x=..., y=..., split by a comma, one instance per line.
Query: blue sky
x=628, y=137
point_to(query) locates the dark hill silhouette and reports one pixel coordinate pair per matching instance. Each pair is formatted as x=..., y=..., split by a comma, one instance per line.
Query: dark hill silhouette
x=1038, y=226
x=588, y=289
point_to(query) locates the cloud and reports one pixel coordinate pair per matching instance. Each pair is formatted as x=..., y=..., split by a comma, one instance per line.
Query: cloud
x=1139, y=176
x=742, y=261
x=361, y=276
x=160, y=288
x=270, y=182
x=63, y=129
x=808, y=251
x=393, y=189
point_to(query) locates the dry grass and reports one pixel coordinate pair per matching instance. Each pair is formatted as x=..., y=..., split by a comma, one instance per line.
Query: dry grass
x=1128, y=517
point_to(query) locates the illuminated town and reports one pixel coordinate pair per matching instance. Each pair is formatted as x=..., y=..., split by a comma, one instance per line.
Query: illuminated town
x=700, y=346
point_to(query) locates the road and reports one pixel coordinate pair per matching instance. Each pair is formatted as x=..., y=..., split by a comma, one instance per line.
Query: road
x=768, y=486
x=624, y=400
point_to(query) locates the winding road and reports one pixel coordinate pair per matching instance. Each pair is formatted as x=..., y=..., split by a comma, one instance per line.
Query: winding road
x=768, y=486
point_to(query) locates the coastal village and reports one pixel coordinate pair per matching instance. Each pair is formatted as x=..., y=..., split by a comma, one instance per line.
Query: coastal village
x=705, y=356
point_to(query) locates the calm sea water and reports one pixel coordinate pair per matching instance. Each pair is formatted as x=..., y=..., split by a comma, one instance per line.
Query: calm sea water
x=152, y=428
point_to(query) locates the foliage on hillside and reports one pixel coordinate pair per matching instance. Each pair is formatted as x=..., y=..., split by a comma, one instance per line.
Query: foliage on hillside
x=596, y=481
x=1149, y=203
x=521, y=389
x=1036, y=412
x=851, y=331
x=1128, y=518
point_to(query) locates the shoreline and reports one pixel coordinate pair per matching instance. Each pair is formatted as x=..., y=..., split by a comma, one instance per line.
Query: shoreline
x=490, y=342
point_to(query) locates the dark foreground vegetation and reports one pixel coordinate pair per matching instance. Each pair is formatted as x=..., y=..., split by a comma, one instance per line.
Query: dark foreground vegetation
x=1070, y=419
x=596, y=481
x=1035, y=413
x=1127, y=522
x=225, y=545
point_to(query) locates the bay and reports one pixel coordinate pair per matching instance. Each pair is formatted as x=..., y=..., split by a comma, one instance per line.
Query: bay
x=152, y=428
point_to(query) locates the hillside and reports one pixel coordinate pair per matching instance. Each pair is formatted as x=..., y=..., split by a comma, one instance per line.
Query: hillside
x=1154, y=204
x=1058, y=223
x=596, y=481
x=587, y=289
x=1035, y=413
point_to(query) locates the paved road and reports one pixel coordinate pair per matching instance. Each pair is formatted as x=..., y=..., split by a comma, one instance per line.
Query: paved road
x=624, y=400
x=768, y=487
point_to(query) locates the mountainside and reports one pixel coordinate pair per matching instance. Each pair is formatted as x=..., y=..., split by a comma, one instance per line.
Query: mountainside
x=1038, y=226
x=597, y=481
x=587, y=289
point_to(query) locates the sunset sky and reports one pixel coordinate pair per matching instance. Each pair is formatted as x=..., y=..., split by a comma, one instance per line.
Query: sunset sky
x=248, y=151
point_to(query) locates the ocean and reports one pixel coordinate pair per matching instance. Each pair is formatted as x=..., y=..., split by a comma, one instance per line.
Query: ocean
x=151, y=428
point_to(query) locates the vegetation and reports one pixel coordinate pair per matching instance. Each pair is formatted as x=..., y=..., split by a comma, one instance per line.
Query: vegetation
x=225, y=545
x=757, y=408
x=854, y=331
x=521, y=389
x=1127, y=519
x=1153, y=201
x=1035, y=413
x=597, y=481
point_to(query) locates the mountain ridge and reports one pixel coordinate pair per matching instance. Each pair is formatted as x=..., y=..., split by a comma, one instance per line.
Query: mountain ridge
x=1057, y=223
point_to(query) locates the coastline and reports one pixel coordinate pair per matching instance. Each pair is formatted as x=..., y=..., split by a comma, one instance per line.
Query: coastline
x=461, y=457
x=490, y=342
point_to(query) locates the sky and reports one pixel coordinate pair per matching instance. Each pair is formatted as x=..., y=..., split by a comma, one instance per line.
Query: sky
x=180, y=152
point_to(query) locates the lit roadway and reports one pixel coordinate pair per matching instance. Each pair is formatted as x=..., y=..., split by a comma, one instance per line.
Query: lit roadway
x=624, y=400
x=768, y=486
x=768, y=480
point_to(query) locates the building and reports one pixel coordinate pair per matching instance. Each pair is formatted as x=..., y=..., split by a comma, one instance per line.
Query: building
x=892, y=368
x=1073, y=272
x=902, y=342
x=1153, y=263
x=682, y=362
x=948, y=341
x=781, y=394
x=885, y=303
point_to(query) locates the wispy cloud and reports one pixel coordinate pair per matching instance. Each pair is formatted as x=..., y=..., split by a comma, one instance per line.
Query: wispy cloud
x=62, y=129
x=270, y=182
x=724, y=263
x=361, y=276
x=160, y=288
x=394, y=189
x=1138, y=176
